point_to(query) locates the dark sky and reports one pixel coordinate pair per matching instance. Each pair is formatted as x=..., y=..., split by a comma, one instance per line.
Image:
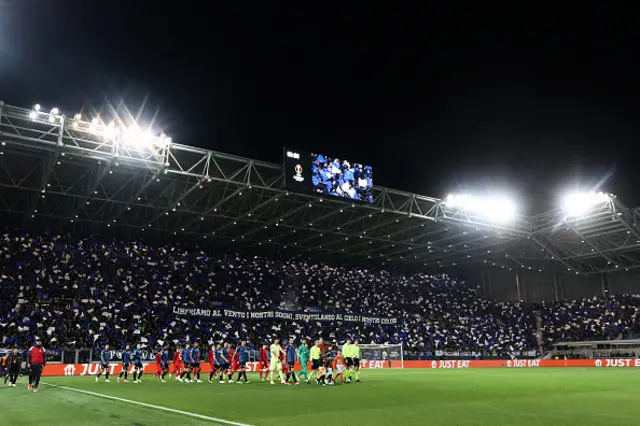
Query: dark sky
x=433, y=103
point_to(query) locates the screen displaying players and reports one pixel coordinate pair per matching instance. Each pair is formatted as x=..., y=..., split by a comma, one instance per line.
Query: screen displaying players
x=318, y=173
x=341, y=178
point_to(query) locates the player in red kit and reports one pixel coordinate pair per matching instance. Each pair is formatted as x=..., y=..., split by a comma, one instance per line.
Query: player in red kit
x=177, y=363
x=263, y=364
x=158, y=373
x=233, y=363
x=35, y=363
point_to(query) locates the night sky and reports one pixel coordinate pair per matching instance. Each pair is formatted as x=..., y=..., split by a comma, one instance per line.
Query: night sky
x=435, y=104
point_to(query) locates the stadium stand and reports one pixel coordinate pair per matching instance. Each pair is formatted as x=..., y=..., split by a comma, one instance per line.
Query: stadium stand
x=79, y=293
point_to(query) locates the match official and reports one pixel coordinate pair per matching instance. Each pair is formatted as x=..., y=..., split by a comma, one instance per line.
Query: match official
x=355, y=354
x=35, y=363
x=348, y=359
x=13, y=363
x=316, y=363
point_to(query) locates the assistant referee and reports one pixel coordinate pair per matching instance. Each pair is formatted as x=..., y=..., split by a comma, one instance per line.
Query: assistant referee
x=348, y=359
x=314, y=354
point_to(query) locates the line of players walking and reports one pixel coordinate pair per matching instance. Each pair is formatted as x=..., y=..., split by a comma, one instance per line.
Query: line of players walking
x=327, y=364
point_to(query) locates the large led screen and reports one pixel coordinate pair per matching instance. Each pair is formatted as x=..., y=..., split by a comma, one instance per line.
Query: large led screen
x=324, y=175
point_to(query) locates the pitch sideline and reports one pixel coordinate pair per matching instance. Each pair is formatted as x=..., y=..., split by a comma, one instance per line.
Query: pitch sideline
x=144, y=404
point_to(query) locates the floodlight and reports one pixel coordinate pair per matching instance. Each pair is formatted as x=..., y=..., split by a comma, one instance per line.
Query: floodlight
x=55, y=111
x=135, y=137
x=33, y=115
x=93, y=127
x=579, y=203
x=111, y=130
x=454, y=200
x=36, y=107
x=77, y=117
x=497, y=209
x=502, y=210
x=164, y=140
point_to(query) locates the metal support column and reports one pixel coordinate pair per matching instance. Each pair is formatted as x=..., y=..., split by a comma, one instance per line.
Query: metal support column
x=520, y=287
x=486, y=291
x=604, y=283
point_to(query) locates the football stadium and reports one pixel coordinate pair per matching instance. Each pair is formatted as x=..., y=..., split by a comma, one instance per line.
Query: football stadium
x=152, y=283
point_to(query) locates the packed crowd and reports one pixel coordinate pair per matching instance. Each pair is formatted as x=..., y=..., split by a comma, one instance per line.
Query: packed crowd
x=75, y=293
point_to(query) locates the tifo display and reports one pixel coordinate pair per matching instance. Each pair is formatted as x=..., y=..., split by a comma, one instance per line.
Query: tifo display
x=81, y=293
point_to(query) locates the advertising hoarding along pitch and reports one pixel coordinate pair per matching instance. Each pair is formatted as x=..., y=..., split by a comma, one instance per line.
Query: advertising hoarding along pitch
x=149, y=368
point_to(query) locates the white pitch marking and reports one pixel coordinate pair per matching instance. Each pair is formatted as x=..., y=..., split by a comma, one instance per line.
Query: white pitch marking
x=144, y=404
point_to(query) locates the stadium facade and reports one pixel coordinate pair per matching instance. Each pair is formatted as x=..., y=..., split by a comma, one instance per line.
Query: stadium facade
x=62, y=173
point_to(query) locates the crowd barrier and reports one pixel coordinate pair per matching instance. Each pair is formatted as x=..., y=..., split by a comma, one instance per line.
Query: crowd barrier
x=150, y=368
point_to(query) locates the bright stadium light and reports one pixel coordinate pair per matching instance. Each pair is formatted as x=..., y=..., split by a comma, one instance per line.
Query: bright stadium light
x=498, y=209
x=164, y=140
x=53, y=114
x=135, y=137
x=579, y=203
x=111, y=130
x=130, y=135
x=93, y=126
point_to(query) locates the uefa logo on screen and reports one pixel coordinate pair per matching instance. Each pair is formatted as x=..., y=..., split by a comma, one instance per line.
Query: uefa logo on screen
x=298, y=176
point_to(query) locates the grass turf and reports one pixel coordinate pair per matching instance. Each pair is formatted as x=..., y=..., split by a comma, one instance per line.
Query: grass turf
x=523, y=397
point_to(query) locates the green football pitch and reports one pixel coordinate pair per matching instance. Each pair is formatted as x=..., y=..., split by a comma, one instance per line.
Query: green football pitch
x=551, y=396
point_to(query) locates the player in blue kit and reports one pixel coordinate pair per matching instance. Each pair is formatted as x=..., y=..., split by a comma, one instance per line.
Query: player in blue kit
x=226, y=366
x=243, y=357
x=164, y=361
x=223, y=361
x=186, y=358
x=105, y=357
x=195, y=362
x=138, y=368
x=126, y=362
x=290, y=351
x=213, y=362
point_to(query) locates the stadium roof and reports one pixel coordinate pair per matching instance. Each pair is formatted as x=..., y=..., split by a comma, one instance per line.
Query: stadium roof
x=64, y=171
